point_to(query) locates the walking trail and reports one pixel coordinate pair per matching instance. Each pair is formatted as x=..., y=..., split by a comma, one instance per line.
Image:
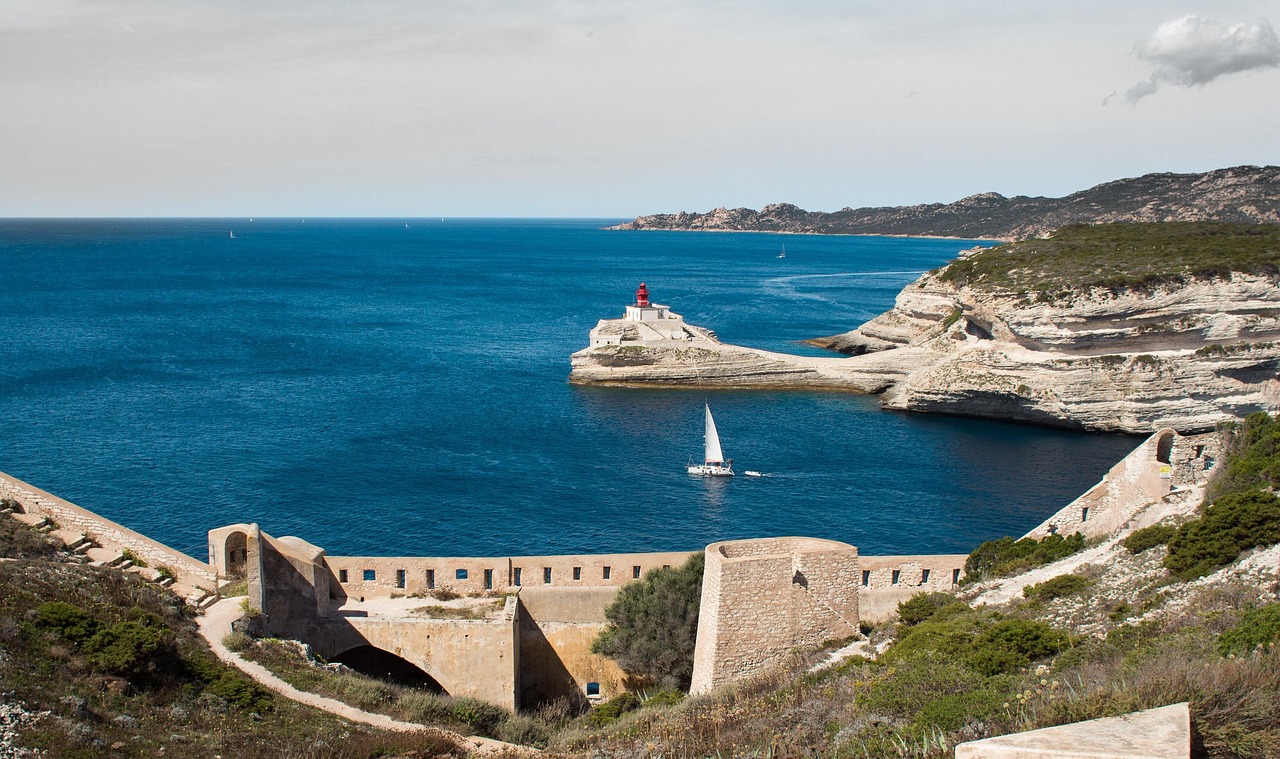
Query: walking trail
x=216, y=623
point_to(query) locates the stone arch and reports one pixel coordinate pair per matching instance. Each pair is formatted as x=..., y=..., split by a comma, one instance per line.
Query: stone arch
x=235, y=554
x=1164, y=448
x=384, y=665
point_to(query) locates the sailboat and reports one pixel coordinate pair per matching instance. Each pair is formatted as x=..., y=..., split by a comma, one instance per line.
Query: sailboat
x=714, y=464
x=783, y=254
x=233, y=234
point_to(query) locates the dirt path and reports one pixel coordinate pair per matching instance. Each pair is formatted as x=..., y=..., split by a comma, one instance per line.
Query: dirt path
x=216, y=623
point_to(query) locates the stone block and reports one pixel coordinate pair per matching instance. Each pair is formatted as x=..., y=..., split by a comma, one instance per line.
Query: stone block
x=1162, y=733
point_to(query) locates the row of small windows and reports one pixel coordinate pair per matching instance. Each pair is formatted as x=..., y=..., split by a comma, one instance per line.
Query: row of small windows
x=896, y=577
x=371, y=575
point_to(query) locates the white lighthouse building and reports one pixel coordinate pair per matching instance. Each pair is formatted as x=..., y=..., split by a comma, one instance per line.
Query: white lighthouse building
x=646, y=322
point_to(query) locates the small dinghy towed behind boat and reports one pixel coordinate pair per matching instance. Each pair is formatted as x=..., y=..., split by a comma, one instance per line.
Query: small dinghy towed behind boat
x=714, y=464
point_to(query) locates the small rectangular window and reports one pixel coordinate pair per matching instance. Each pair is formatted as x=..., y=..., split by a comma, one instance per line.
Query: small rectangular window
x=635, y=573
x=866, y=577
x=488, y=579
x=593, y=689
x=342, y=575
x=1084, y=514
x=517, y=577
x=666, y=566
x=431, y=579
x=370, y=575
x=546, y=575
x=461, y=574
x=897, y=573
x=955, y=577
x=399, y=578
x=607, y=570
x=577, y=573
x=924, y=577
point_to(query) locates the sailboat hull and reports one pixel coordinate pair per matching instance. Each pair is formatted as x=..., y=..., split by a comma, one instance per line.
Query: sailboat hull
x=711, y=470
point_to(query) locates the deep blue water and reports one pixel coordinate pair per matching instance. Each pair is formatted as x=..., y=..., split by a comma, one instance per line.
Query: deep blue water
x=377, y=389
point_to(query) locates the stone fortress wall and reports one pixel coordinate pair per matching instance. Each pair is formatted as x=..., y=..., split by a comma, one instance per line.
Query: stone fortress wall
x=760, y=597
x=100, y=537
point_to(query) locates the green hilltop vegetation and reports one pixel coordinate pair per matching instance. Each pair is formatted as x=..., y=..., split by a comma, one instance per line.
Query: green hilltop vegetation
x=1121, y=256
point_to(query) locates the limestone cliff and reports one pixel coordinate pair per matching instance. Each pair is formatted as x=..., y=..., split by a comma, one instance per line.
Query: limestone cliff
x=1182, y=343
x=1240, y=194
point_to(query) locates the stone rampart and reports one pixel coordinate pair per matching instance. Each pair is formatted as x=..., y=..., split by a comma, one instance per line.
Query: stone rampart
x=886, y=581
x=381, y=576
x=107, y=533
x=1161, y=462
x=763, y=598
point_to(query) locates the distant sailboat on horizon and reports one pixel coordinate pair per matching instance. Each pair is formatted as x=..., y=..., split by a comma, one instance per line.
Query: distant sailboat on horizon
x=714, y=464
x=783, y=254
x=233, y=234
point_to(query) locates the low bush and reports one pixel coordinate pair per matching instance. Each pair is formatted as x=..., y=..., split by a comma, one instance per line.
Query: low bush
x=1148, y=537
x=1232, y=524
x=609, y=712
x=1258, y=627
x=1252, y=457
x=1005, y=556
x=921, y=606
x=1058, y=587
x=484, y=718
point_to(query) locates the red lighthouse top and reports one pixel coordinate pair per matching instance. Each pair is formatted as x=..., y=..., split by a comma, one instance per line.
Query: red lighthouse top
x=642, y=296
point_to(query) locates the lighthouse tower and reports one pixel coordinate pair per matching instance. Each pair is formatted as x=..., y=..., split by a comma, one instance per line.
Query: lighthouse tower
x=644, y=311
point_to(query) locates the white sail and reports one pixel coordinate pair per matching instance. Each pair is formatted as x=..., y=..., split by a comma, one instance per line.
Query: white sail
x=713, y=452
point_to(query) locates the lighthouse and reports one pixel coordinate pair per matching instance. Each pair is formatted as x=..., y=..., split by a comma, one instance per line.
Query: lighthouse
x=645, y=322
x=644, y=311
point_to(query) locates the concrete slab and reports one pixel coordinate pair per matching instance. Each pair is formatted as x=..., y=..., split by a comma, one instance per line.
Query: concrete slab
x=1162, y=733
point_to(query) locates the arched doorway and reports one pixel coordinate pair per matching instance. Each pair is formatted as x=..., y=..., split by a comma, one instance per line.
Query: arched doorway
x=236, y=555
x=384, y=665
x=1164, y=448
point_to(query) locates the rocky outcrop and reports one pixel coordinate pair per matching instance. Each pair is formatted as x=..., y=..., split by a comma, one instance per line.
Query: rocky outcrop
x=1187, y=356
x=1249, y=194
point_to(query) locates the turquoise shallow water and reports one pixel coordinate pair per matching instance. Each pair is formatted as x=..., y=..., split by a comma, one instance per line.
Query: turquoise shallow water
x=378, y=388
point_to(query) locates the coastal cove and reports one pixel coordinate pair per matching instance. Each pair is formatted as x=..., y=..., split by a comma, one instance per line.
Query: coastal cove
x=387, y=389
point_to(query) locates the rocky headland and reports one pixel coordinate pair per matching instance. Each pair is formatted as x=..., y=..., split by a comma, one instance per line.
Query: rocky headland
x=1121, y=328
x=1247, y=194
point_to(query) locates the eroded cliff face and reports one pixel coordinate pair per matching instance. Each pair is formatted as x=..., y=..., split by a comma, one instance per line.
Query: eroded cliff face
x=1186, y=356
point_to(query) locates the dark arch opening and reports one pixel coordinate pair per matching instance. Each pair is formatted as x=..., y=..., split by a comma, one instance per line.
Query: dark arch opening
x=1164, y=448
x=384, y=665
x=237, y=554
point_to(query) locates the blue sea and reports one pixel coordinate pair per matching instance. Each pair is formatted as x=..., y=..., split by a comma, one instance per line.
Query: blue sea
x=398, y=387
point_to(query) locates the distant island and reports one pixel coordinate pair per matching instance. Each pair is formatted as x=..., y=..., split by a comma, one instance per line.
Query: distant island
x=1243, y=194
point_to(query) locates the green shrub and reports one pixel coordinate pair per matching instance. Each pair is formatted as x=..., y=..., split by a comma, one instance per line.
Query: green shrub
x=653, y=625
x=125, y=648
x=137, y=560
x=1234, y=523
x=1252, y=457
x=523, y=731
x=1062, y=585
x=1010, y=644
x=1005, y=556
x=1258, y=627
x=1148, y=537
x=241, y=692
x=921, y=606
x=608, y=712
x=664, y=698
x=70, y=622
x=481, y=717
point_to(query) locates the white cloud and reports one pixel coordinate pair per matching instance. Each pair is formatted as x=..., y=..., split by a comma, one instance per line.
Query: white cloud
x=1191, y=51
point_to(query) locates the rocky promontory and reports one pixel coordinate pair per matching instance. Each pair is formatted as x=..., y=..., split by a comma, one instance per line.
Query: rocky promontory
x=1124, y=328
x=1247, y=194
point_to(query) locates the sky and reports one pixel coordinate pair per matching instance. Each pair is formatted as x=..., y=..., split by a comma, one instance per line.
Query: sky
x=575, y=108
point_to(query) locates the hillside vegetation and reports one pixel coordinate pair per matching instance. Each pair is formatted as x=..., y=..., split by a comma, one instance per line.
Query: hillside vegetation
x=1121, y=256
